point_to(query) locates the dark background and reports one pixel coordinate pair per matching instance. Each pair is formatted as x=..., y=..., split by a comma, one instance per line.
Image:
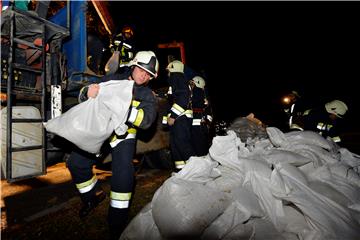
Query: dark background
x=254, y=52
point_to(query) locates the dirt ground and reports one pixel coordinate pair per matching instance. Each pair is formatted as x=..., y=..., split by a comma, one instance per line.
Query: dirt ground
x=47, y=207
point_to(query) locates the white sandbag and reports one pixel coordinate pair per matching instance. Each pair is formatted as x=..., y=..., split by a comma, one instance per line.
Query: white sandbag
x=277, y=137
x=351, y=159
x=275, y=156
x=247, y=201
x=183, y=209
x=330, y=192
x=337, y=179
x=264, y=229
x=291, y=171
x=142, y=226
x=309, y=138
x=355, y=210
x=228, y=180
x=327, y=218
x=235, y=215
x=346, y=172
x=295, y=222
x=317, y=153
x=258, y=180
x=90, y=123
x=307, y=143
x=240, y=232
x=307, y=168
x=199, y=169
x=263, y=144
x=224, y=149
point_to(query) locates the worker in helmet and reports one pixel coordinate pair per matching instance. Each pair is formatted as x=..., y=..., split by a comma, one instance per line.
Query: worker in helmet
x=142, y=114
x=326, y=120
x=202, y=117
x=122, y=48
x=180, y=115
x=293, y=108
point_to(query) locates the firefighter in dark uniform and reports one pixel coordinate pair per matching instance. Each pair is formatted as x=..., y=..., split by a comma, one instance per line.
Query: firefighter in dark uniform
x=326, y=120
x=142, y=114
x=122, y=49
x=293, y=108
x=180, y=116
x=201, y=117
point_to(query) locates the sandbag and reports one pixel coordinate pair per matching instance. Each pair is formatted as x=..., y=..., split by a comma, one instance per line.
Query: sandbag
x=290, y=186
x=234, y=216
x=142, y=227
x=199, y=169
x=183, y=209
x=327, y=218
x=90, y=123
x=308, y=137
x=248, y=128
x=225, y=149
x=275, y=156
x=229, y=179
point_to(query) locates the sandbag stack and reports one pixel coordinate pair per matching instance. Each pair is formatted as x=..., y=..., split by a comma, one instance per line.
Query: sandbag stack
x=294, y=185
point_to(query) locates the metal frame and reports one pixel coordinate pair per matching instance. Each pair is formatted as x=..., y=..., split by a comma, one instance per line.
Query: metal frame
x=12, y=92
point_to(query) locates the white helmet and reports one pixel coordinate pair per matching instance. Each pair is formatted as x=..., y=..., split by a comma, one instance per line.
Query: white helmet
x=175, y=66
x=336, y=107
x=199, y=82
x=146, y=60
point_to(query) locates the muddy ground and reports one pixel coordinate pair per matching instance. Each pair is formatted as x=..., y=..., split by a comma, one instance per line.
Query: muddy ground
x=47, y=207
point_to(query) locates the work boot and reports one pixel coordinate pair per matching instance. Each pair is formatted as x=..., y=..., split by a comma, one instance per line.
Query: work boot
x=87, y=207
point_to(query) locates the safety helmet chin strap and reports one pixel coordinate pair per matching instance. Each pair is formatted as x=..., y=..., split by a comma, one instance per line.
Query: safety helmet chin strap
x=131, y=74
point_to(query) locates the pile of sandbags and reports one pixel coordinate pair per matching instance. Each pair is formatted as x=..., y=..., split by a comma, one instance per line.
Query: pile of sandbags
x=294, y=185
x=249, y=129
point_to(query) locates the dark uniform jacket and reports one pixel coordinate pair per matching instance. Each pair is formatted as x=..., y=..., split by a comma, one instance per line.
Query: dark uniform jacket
x=181, y=94
x=318, y=120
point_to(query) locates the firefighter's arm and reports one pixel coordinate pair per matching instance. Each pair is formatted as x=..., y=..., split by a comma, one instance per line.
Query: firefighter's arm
x=143, y=111
x=84, y=92
x=334, y=134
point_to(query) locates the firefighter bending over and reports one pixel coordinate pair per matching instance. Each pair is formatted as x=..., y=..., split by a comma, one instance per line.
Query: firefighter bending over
x=327, y=120
x=142, y=114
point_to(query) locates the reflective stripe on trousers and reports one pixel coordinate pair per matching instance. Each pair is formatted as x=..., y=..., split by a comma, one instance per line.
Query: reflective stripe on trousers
x=180, y=164
x=196, y=122
x=119, y=200
x=87, y=186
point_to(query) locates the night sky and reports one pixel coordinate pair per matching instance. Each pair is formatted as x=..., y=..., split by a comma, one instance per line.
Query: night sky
x=254, y=52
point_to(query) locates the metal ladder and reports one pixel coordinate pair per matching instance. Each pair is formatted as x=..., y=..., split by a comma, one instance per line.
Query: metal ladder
x=12, y=91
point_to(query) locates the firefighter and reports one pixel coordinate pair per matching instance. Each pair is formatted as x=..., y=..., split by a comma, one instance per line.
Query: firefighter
x=142, y=114
x=122, y=49
x=201, y=117
x=326, y=120
x=293, y=109
x=180, y=115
